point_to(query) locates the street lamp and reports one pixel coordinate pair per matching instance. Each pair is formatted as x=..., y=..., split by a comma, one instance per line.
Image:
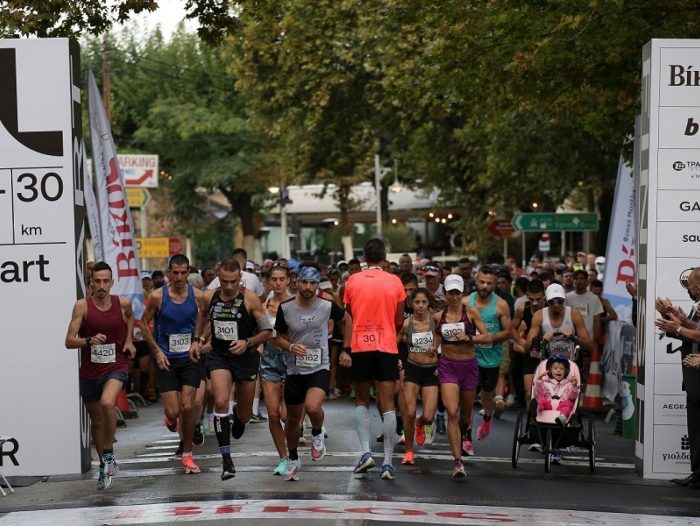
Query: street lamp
x=379, y=174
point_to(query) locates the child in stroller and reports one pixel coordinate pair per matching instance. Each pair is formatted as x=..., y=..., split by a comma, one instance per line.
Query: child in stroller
x=556, y=390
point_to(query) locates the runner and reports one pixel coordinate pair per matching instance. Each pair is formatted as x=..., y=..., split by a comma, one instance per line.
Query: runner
x=273, y=367
x=175, y=307
x=102, y=326
x=420, y=373
x=302, y=329
x=375, y=300
x=458, y=368
x=496, y=316
x=522, y=321
x=234, y=313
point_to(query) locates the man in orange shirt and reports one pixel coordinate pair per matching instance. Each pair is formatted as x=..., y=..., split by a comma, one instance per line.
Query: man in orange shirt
x=375, y=300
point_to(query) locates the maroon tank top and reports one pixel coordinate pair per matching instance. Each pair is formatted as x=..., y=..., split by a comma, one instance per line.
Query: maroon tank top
x=98, y=360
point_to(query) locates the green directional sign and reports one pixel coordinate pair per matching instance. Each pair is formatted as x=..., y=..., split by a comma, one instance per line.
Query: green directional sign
x=551, y=222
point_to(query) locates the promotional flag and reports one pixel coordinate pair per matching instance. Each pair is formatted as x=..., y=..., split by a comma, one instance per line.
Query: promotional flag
x=116, y=226
x=93, y=214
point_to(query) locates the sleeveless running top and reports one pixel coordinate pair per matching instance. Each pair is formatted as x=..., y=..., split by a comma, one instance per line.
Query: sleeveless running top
x=566, y=324
x=109, y=357
x=230, y=321
x=447, y=330
x=175, y=323
x=489, y=354
x=420, y=341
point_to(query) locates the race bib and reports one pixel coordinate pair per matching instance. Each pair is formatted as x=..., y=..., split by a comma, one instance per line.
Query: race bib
x=312, y=358
x=369, y=337
x=178, y=343
x=449, y=331
x=226, y=330
x=421, y=341
x=104, y=353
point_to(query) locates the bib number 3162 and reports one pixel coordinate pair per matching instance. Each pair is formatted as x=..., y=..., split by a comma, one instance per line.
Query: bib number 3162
x=312, y=358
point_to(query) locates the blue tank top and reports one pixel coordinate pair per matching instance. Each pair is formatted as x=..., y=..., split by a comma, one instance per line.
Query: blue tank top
x=489, y=355
x=175, y=323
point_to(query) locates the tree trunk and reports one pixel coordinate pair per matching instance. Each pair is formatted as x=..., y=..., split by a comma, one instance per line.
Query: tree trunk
x=341, y=195
x=242, y=205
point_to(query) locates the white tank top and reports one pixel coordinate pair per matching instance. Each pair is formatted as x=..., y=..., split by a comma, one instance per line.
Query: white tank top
x=566, y=325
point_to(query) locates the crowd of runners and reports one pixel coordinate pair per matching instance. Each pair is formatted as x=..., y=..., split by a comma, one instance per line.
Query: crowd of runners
x=410, y=334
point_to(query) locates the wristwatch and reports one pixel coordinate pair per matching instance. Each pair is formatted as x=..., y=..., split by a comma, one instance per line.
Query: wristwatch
x=88, y=339
x=347, y=349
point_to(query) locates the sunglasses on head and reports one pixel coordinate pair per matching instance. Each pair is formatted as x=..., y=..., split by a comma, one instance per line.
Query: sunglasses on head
x=556, y=301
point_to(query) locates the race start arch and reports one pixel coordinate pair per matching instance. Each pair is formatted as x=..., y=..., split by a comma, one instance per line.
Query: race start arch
x=41, y=256
x=667, y=171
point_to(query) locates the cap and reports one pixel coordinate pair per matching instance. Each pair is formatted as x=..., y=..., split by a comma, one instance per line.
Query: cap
x=325, y=285
x=554, y=291
x=145, y=274
x=557, y=358
x=249, y=265
x=293, y=265
x=600, y=260
x=454, y=282
x=580, y=253
x=342, y=262
x=431, y=270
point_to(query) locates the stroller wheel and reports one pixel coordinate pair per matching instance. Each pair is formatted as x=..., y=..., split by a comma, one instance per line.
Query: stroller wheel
x=548, y=451
x=517, y=433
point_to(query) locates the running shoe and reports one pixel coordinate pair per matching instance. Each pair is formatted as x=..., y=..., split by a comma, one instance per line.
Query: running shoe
x=500, y=406
x=318, y=447
x=459, y=471
x=302, y=440
x=366, y=462
x=189, y=465
x=170, y=424
x=511, y=400
x=292, y=472
x=468, y=448
x=420, y=434
x=256, y=419
x=535, y=447
x=408, y=458
x=440, y=424
x=484, y=430
x=228, y=471
x=237, y=427
x=111, y=467
x=388, y=472
x=198, y=439
x=178, y=451
x=281, y=468
x=429, y=435
x=402, y=439
x=104, y=481
x=557, y=457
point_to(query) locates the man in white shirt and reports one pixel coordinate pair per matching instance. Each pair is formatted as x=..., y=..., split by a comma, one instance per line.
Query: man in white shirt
x=587, y=303
x=248, y=280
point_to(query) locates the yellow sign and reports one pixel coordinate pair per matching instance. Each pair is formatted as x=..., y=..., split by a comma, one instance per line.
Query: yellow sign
x=153, y=247
x=138, y=197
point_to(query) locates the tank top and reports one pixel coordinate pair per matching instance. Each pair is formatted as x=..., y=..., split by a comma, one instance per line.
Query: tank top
x=230, y=321
x=566, y=324
x=489, y=354
x=446, y=330
x=109, y=357
x=420, y=342
x=175, y=323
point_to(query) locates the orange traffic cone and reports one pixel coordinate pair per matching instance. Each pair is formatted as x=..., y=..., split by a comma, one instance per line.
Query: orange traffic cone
x=593, y=399
x=124, y=406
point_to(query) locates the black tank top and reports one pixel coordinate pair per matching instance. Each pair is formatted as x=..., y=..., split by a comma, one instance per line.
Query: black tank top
x=230, y=321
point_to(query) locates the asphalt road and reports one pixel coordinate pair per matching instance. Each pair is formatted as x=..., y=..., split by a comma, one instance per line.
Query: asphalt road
x=151, y=487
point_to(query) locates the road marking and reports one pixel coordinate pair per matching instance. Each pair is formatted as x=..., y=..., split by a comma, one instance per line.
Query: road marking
x=334, y=511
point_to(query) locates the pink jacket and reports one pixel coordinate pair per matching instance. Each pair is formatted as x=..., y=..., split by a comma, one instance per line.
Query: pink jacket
x=548, y=388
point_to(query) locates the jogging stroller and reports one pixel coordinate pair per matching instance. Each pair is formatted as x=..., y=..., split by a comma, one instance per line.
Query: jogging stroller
x=541, y=427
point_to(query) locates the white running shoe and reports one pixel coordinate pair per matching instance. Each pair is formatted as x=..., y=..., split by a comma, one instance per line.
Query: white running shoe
x=292, y=470
x=318, y=447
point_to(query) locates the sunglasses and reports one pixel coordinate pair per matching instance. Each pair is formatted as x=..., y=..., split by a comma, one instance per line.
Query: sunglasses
x=556, y=301
x=282, y=264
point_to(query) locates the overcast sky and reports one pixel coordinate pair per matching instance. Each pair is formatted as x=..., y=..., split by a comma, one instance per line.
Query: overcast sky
x=168, y=15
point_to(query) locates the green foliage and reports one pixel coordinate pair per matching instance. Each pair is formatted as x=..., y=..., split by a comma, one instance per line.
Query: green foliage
x=400, y=238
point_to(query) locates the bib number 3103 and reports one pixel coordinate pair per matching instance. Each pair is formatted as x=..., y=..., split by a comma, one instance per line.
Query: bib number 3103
x=179, y=342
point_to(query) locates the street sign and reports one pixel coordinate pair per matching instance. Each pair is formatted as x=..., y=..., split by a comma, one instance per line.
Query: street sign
x=545, y=245
x=138, y=197
x=176, y=246
x=153, y=247
x=500, y=228
x=551, y=222
x=139, y=170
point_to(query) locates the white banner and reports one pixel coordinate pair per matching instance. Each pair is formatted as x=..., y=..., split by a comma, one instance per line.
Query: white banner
x=41, y=256
x=620, y=265
x=116, y=225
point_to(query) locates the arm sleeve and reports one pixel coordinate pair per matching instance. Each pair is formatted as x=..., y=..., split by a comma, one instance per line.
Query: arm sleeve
x=336, y=312
x=280, y=322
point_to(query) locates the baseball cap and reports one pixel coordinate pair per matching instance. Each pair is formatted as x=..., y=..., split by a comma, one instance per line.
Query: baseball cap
x=454, y=282
x=249, y=265
x=600, y=260
x=554, y=291
x=431, y=270
x=145, y=274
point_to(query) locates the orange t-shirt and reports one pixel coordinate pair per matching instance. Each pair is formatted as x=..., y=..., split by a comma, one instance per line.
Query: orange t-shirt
x=373, y=296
